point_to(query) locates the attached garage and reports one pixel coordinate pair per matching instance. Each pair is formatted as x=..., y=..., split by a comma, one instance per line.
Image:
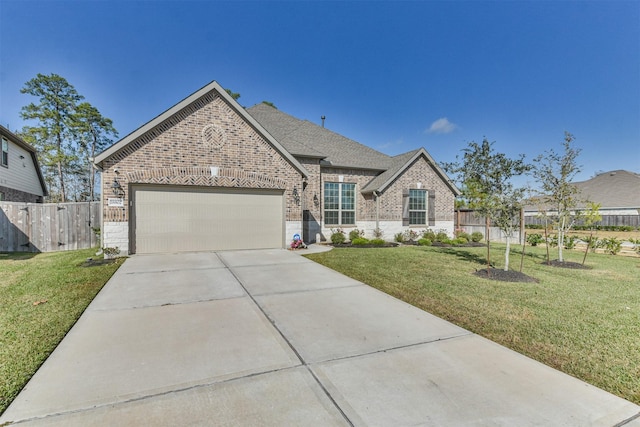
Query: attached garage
x=169, y=219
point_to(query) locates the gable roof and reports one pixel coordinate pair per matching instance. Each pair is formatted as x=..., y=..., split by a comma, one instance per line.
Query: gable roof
x=305, y=139
x=402, y=162
x=211, y=87
x=31, y=150
x=613, y=189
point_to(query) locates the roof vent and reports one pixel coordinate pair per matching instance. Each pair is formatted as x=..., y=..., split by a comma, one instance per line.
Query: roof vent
x=612, y=174
x=322, y=118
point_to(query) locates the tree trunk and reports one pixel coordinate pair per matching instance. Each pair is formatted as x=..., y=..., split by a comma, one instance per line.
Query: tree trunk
x=560, y=239
x=506, y=255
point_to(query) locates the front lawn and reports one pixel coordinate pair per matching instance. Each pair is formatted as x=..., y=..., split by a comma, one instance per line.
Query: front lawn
x=41, y=297
x=583, y=322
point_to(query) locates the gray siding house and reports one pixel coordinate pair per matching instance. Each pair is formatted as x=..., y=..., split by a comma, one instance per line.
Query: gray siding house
x=21, y=179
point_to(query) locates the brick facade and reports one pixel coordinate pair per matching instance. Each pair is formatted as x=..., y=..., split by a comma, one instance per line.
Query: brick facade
x=418, y=172
x=13, y=195
x=207, y=143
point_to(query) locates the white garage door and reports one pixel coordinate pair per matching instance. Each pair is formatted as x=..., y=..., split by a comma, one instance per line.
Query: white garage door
x=183, y=219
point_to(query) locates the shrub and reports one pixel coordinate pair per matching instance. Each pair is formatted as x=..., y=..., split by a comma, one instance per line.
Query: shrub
x=459, y=241
x=570, y=242
x=377, y=233
x=612, y=245
x=355, y=233
x=377, y=242
x=337, y=237
x=463, y=235
x=534, y=239
x=552, y=241
x=399, y=237
x=442, y=237
x=476, y=236
x=424, y=242
x=359, y=241
x=429, y=234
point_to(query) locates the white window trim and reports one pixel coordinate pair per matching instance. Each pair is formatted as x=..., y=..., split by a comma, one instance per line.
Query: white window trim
x=426, y=207
x=340, y=210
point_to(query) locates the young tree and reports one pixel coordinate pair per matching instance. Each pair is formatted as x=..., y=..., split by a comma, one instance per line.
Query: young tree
x=52, y=135
x=485, y=178
x=93, y=133
x=554, y=173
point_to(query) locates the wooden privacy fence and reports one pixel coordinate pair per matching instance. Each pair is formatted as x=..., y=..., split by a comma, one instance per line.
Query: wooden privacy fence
x=607, y=220
x=469, y=221
x=36, y=227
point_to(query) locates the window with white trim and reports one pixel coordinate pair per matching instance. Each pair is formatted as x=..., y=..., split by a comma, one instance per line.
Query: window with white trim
x=417, y=207
x=5, y=152
x=339, y=203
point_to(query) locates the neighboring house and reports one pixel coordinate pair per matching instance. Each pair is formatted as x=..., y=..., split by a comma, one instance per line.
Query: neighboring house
x=21, y=179
x=208, y=174
x=617, y=192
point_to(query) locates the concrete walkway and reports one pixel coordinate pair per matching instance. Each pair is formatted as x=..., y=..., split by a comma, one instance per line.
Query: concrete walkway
x=271, y=338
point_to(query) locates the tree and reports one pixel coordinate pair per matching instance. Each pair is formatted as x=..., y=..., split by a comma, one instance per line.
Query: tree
x=554, y=173
x=93, y=133
x=234, y=95
x=52, y=135
x=485, y=178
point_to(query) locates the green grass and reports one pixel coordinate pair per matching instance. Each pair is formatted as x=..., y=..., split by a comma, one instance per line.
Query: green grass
x=28, y=332
x=585, y=323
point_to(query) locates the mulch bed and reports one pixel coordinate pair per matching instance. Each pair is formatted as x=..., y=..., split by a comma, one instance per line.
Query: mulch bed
x=505, y=276
x=567, y=264
x=349, y=245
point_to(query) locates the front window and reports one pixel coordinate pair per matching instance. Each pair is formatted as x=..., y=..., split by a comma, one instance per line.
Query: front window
x=5, y=152
x=339, y=203
x=417, y=207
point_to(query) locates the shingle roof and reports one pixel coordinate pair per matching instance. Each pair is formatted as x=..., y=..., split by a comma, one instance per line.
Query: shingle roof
x=305, y=139
x=614, y=189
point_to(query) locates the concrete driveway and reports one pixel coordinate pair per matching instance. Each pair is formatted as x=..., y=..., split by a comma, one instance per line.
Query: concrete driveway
x=271, y=338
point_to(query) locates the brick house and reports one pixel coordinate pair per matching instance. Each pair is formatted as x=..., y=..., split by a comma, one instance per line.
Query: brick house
x=208, y=174
x=21, y=179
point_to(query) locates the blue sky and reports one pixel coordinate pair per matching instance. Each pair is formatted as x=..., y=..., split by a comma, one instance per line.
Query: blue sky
x=392, y=75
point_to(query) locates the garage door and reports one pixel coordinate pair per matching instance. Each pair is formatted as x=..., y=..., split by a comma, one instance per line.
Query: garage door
x=183, y=219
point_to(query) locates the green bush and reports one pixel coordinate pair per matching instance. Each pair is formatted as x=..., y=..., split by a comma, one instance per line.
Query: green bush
x=463, y=235
x=399, y=237
x=459, y=241
x=570, y=242
x=552, y=241
x=612, y=245
x=534, y=239
x=359, y=241
x=442, y=237
x=338, y=237
x=429, y=234
x=355, y=233
x=377, y=242
x=476, y=236
x=424, y=242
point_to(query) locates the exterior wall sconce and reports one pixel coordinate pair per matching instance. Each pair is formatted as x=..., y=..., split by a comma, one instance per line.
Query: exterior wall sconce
x=296, y=196
x=316, y=201
x=117, y=188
